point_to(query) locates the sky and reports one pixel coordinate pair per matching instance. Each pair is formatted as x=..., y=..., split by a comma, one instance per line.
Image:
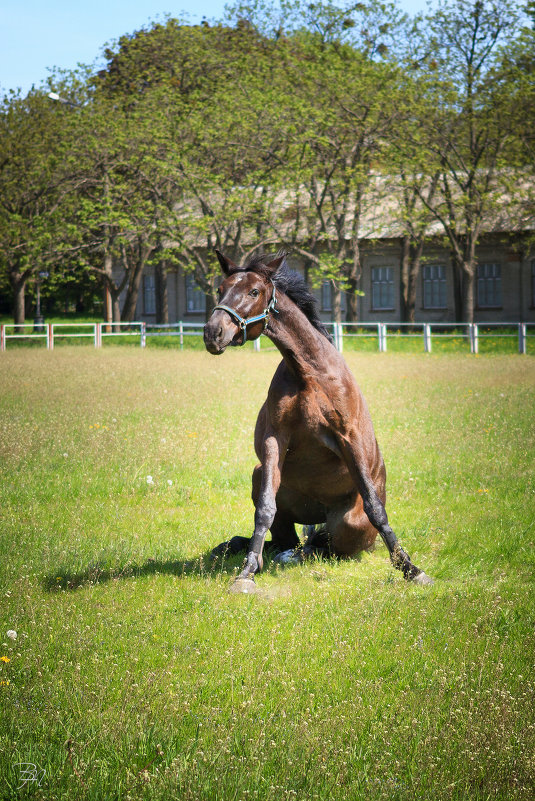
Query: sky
x=36, y=36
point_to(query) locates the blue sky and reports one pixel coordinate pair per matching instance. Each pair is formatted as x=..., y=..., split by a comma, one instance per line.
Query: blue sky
x=37, y=35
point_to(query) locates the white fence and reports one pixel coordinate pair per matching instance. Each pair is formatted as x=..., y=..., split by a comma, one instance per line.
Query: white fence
x=472, y=333
x=382, y=333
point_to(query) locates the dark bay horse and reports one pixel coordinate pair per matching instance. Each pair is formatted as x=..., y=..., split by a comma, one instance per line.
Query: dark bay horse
x=319, y=459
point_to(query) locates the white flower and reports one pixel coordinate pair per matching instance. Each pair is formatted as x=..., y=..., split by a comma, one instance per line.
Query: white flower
x=170, y=483
x=149, y=480
x=12, y=634
x=65, y=455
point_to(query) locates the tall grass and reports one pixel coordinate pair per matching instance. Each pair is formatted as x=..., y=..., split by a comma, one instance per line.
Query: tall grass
x=136, y=675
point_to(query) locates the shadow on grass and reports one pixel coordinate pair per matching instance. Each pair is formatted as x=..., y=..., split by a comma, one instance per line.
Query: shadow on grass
x=204, y=565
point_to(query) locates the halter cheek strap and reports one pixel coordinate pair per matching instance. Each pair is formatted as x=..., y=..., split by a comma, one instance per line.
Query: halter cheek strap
x=244, y=322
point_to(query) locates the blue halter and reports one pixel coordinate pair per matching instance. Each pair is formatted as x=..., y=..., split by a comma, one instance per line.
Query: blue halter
x=244, y=322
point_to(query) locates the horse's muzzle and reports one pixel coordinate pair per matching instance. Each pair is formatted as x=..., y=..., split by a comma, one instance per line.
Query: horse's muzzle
x=219, y=332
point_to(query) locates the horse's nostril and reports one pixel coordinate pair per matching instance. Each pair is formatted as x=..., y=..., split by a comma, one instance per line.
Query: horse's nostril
x=220, y=333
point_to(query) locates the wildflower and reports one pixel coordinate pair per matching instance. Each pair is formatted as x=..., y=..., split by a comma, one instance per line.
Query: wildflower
x=5, y=659
x=150, y=480
x=169, y=482
x=12, y=634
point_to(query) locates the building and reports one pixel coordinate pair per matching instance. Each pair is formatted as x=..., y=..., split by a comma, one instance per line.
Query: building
x=504, y=287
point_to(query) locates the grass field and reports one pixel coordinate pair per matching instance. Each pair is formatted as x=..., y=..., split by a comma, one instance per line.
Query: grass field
x=136, y=675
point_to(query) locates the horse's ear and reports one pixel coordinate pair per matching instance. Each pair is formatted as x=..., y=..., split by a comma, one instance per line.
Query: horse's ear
x=227, y=265
x=275, y=263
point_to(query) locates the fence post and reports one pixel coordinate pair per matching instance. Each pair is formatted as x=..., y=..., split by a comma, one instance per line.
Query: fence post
x=256, y=344
x=427, y=338
x=474, y=338
x=381, y=330
x=181, y=332
x=336, y=336
x=2, y=337
x=522, y=344
x=143, y=334
x=50, y=336
x=340, y=337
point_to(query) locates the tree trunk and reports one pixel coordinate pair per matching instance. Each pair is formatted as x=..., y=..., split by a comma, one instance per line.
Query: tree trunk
x=468, y=292
x=18, y=284
x=352, y=310
x=457, y=289
x=162, y=302
x=404, y=280
x=108, y=282
x=353, y=280
x=411, y=258
x=142, y=253
x=116, y=308
x=337, y=304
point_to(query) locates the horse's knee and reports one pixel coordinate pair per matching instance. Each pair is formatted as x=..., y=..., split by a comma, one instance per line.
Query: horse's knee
x=256, y=483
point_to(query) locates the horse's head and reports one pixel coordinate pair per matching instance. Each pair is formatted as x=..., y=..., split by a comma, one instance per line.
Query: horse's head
x=246, y=298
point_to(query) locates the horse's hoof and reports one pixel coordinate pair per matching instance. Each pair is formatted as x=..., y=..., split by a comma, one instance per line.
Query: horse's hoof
x=423, y=579
x=290, y=557
x=243, y=585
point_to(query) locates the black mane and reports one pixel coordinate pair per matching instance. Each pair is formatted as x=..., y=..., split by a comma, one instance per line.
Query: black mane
x=294, y=285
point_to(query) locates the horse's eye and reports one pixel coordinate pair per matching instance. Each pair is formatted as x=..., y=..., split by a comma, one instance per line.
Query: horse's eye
x=254, y=292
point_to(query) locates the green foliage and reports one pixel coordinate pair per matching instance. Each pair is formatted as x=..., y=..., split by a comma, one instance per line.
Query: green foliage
x=290, y=123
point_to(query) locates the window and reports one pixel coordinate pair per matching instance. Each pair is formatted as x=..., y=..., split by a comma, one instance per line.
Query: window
x=195, y=298
x=489, y=286
x=149, y=294
x=382, y=287
x=434, y=276
x=327, y=297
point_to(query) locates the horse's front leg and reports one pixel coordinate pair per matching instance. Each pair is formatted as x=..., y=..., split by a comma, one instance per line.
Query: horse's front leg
x=273, y=451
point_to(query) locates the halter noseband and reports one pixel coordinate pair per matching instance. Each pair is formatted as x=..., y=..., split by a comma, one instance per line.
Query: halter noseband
x=243, y=323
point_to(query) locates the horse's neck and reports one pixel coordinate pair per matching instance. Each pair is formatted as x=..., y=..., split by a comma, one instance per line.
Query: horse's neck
x=303, y=348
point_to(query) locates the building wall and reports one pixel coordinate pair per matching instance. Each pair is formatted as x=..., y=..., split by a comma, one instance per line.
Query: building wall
x=517, y=281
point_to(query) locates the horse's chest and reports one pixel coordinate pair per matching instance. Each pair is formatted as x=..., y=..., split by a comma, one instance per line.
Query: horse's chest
x=314, y=423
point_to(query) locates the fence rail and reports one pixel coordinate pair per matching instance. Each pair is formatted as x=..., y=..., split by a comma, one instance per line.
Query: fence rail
x=471, y=333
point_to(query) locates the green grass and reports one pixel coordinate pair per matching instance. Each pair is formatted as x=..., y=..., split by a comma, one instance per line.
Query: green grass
x=136, y=675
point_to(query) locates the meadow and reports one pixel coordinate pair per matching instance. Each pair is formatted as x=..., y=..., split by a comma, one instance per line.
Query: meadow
x=136, y=675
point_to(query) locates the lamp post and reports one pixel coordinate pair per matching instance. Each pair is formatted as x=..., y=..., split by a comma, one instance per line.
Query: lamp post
x=59, y=99
x=39, y=320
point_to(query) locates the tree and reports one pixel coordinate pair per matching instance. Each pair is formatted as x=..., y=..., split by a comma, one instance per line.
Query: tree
x=337, y=106
x=471, y=128
x=35, y=183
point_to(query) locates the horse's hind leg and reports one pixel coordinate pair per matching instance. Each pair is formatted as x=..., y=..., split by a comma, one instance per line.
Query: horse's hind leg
x=350, y=530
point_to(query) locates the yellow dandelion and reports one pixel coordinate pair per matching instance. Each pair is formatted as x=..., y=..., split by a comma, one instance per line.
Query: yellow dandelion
x=5, y=659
